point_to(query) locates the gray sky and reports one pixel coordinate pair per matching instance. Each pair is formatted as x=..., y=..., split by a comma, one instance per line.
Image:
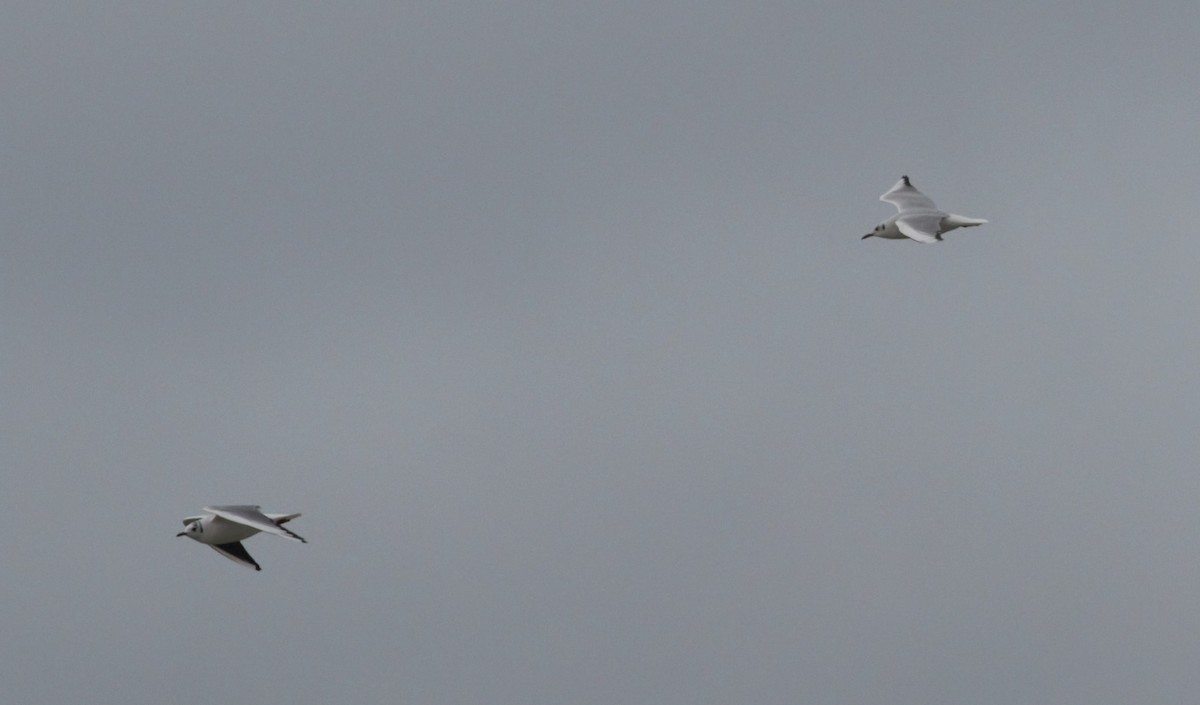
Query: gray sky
x=554, y=321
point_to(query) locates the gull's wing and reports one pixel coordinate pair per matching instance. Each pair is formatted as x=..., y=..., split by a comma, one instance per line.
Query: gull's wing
x=189, y=520
x=922, y=228
x=236, y=553
x=905, y=197
x=249, y=515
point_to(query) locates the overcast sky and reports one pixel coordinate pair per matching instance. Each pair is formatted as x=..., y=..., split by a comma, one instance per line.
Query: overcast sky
x=554, y=322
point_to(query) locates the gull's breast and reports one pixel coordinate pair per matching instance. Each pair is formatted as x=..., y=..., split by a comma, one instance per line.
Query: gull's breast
x=219, y=531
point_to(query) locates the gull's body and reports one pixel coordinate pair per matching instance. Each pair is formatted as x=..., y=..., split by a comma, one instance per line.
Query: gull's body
x=918, y=218
x=225, y=527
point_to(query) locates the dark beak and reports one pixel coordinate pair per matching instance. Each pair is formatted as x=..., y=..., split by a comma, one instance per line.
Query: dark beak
x=868, y=235
x=181, y=533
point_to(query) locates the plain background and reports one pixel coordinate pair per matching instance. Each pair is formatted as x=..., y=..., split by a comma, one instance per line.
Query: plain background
x=554, y=321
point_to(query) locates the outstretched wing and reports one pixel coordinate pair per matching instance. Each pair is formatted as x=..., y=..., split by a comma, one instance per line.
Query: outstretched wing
x=922, y=228
x=236, y=553
x=905, y=197
x=249, y=515
x=282, y=518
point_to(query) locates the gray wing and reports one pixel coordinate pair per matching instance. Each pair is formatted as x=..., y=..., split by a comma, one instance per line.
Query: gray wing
x=249, y=515
x=921, y=227
x=905, y=197
x=282, y=518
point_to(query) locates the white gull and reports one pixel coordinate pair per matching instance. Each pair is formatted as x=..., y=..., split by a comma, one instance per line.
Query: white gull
x=918, y=218
x=225, y=527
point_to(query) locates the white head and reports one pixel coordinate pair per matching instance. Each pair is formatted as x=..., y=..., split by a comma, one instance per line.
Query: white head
x=887, y=229
x=193, y=530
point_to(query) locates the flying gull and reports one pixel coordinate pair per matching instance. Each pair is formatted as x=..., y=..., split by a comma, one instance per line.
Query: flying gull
x=225, y=527
x=918, y=218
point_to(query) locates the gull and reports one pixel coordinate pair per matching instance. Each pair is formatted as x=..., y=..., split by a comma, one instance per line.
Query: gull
x=225, y=527
x=918, y=218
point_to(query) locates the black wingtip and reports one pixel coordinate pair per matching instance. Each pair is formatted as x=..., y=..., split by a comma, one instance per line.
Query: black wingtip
x=906, y=181
x=238, y=551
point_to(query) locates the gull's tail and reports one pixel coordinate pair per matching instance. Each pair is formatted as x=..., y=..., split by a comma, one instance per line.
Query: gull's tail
x=953, y=221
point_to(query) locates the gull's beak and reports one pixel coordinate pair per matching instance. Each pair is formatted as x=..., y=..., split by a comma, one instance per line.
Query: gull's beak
x=181, y=533
x=867, y=235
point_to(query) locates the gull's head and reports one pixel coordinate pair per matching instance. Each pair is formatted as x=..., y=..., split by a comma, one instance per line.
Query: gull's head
x=878, y=229
x=192, y=530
